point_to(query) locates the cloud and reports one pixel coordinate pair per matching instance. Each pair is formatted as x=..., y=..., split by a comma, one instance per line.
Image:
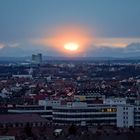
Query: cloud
x=2, y=45
x=59, y=39
x=14, y=45
x=115, y=42
x=11, y=45
x=131, y=50
x=100, y=47
x=114, y=47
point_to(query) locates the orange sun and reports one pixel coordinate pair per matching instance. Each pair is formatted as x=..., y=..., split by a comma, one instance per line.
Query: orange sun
x=71, y=46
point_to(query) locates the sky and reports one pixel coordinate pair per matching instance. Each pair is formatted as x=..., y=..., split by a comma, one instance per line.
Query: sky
x=31, y=26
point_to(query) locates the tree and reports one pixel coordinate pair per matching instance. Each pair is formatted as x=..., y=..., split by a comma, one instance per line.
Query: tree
x=72, y=130
x=28, y=130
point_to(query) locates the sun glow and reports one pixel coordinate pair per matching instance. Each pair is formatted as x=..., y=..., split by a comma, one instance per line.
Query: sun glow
x=71, y=46
x=66, y=40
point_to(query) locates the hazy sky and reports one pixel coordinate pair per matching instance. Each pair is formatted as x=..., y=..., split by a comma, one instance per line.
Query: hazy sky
x=111, y=22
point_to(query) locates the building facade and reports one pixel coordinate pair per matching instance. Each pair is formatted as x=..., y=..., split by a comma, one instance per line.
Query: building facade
x=81, y=113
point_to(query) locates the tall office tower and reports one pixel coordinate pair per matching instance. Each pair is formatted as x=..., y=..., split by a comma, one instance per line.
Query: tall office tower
x=37, y=58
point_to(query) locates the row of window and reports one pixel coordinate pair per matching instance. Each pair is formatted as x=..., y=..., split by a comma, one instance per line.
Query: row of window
x=29, y=108
x=21, y=124
x=40, y=113
x=48, y=107
x=137, y=117
x=87, y=110
x=45, y=113
x=84, y=116
x=88, y=122
x=137, y=113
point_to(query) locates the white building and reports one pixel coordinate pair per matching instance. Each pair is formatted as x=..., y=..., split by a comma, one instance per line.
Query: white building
x=114, y=101
x=22, y=76
x=125, y=116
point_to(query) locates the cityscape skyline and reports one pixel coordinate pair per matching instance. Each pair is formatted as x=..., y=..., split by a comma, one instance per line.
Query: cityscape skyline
x=69, y=69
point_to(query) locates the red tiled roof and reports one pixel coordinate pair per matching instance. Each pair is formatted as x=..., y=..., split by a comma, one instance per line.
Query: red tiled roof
x=40, y=96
